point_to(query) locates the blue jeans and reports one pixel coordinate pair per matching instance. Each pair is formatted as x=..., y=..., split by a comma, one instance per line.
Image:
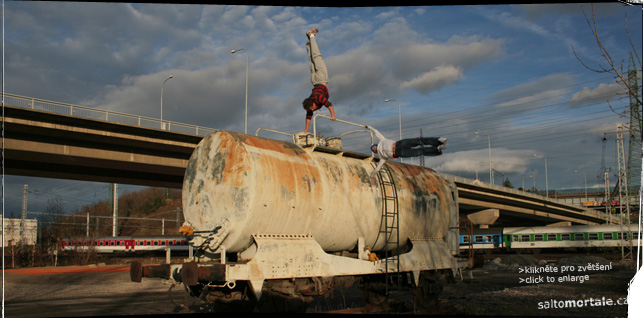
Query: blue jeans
x=412, y=147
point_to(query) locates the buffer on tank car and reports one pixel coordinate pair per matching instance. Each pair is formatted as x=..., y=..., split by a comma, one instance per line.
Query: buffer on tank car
x=271, y=219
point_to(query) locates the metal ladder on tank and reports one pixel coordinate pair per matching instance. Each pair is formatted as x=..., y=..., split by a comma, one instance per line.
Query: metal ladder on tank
x=391, y=226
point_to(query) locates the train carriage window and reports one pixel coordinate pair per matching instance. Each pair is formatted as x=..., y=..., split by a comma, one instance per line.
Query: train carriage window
x=516, y=238
x=163, y=243
x=111, y=243
x=608, y=236
x=525, y=238
x=635, y=235
x=478, y=239
x=579, y=237
x=551, y=237
x=465, y=239
x=565, y=237
x=593, y=236
x=487, y=239
x=619, y=235
x=148, y=243
x=538, y=237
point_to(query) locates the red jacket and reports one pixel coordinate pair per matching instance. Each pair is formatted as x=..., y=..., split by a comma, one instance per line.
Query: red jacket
x=320, y=97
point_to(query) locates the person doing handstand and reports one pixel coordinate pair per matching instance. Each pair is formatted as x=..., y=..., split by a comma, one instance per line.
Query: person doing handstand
x=319, y=77
x=405, y=148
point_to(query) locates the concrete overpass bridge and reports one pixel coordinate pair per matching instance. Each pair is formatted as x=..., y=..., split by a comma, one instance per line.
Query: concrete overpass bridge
x=67, y=145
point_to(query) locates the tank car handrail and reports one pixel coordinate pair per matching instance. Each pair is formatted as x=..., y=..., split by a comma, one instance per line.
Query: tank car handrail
x=273, y=131
x=339, y=120
x=355, y=131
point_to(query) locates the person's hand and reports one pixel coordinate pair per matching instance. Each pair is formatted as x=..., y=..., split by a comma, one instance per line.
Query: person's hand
x=333, y=118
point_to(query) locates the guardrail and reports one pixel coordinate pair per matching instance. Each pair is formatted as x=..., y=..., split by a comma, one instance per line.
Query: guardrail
x=106, y=115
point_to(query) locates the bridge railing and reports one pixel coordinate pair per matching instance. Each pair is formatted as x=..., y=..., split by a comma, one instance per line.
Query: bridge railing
x=106, y=115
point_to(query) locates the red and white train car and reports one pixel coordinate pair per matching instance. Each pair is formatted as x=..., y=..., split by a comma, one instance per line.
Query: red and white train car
x=126, y=244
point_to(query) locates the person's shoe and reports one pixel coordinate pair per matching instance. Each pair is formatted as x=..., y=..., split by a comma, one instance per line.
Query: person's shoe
x=442, y=139
x=311, y=32
x=442, y=147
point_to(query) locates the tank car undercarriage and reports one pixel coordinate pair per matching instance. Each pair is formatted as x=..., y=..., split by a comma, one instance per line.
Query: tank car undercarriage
x=284, y=273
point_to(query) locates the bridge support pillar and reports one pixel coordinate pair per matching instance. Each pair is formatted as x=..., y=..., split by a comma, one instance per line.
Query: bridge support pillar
x=484, y=218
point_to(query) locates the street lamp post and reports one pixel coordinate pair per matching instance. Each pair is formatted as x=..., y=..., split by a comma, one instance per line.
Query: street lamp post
x=477, y=168
x=399, y=115
x=162, y=86
x=585, y=173
x=546, y=177
x=490, y=160
x=245, y=131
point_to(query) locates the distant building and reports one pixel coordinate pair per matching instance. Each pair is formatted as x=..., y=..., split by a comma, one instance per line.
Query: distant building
x=19, y=231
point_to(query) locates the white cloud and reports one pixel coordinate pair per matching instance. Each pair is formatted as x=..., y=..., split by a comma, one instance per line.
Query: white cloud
x=503, y=160
x=603, y=92
x=441, y=76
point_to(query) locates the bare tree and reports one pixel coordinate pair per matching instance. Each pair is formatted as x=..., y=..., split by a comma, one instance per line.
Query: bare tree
x=616, y=68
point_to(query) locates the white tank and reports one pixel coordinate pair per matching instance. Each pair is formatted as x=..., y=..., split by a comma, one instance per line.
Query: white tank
x=243, y=185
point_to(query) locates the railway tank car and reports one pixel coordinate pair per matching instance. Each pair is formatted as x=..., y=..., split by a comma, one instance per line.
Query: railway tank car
x=273, y=219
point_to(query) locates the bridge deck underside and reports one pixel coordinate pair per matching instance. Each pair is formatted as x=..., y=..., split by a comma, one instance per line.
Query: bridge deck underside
x=517, y=209
x=59, y=146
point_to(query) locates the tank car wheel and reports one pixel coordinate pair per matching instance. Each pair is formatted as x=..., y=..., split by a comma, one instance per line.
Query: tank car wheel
x=237, y=299
x=478, y=260
x=374, y=292
x=275, y=302
x=426, y=294
x=375, y=298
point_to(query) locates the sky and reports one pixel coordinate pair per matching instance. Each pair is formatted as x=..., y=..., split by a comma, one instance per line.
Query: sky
x=505, y=79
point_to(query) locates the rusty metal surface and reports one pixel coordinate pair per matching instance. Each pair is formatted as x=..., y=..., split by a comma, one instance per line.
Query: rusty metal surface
x=191, y=273
x=252, y=185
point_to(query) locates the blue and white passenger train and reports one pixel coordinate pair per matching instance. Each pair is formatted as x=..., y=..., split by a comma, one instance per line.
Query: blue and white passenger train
x=538, y=237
